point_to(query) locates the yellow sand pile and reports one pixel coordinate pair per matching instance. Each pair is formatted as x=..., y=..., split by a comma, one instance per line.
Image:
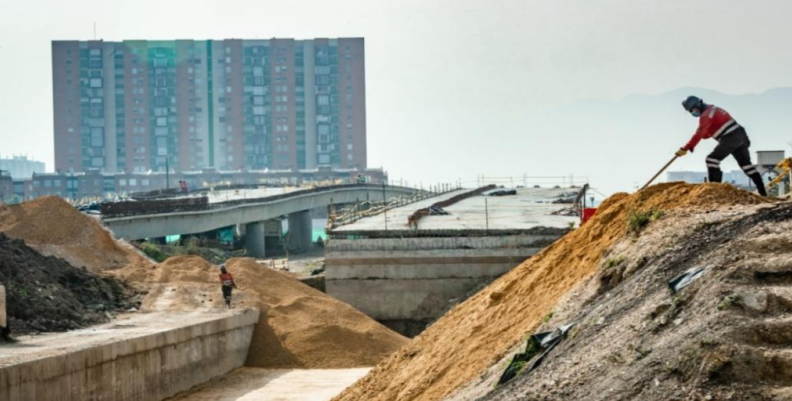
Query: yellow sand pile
x=476, y=334
x=300, y=327
x=54, y=228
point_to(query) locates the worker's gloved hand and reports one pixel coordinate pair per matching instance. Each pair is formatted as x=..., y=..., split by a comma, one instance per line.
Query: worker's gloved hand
x=681, y=152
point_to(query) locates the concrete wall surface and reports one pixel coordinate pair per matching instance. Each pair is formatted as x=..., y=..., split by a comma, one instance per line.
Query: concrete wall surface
x=132, y=365
x=417, y=279
x=3, y=321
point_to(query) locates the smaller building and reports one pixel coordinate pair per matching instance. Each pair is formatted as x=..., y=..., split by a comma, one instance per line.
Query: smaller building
x=20, y=167
x=734, y=177
x=6, y=188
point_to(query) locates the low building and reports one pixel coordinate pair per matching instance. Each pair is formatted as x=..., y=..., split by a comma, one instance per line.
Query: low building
x=20, y=167
x=405, y=276
x=734, y=177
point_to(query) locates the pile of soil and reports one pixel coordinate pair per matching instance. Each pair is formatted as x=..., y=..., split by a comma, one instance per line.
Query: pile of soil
x=473, y=336
x=55, y=228
x=45, y=294
x=726, y=336
x=299, y=327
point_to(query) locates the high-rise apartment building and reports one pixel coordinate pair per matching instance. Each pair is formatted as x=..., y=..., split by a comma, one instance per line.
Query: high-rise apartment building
x=137, y=106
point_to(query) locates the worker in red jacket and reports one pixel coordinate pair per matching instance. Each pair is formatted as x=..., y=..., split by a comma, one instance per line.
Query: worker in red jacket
x=716, y=123
x=227, y=283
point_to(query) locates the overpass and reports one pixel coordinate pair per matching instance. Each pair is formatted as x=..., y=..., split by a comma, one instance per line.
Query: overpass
x=253, y=213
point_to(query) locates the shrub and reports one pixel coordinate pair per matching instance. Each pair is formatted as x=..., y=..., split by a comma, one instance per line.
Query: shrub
x=638, y=220
x=152, y=251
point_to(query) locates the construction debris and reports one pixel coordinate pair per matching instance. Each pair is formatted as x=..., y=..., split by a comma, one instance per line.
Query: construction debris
x=46, y=294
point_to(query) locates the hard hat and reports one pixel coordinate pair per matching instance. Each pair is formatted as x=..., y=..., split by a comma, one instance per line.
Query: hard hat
x=693, y=102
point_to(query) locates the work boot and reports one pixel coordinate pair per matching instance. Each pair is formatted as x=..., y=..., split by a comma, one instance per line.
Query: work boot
x=759, y=183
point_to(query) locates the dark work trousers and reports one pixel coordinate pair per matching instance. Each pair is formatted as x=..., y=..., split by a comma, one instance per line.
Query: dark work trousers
x=227, y=294
x=735, y=143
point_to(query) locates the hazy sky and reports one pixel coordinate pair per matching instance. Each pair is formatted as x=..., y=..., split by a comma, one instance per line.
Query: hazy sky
x=449, y=83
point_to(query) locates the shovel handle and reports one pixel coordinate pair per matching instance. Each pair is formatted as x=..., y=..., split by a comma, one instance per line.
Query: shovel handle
x=660, y=172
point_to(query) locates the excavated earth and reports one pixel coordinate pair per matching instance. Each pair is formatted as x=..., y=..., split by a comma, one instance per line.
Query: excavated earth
x=727, y=336
x=45, y=294
x=633, y=339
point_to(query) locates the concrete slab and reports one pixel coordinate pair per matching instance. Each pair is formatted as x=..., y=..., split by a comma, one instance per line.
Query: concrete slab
x=248, y=193
x=253, y=384
x=530, y=208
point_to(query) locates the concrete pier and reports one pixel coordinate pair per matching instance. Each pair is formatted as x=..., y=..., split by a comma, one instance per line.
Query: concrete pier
x=146, y=357
x=254, y=239
x=300, y=227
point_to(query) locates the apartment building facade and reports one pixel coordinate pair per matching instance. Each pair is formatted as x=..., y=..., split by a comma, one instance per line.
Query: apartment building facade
x=185, y=105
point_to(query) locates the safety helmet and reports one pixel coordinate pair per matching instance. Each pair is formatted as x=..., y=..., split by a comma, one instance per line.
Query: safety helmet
x=222, y=268
x=693, y=102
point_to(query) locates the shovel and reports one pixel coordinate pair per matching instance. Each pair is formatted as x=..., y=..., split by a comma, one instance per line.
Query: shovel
x=659, y=172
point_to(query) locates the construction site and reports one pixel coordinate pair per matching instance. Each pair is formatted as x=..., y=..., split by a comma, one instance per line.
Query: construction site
x=675, y=292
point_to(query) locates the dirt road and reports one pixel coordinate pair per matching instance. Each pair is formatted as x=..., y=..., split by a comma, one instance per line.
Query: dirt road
x=247, y=384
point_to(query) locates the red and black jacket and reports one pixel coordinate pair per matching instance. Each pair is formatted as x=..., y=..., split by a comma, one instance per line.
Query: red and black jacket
x=713, y=123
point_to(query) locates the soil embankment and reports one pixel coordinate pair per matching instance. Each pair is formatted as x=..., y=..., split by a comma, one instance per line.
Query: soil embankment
x=473, y=336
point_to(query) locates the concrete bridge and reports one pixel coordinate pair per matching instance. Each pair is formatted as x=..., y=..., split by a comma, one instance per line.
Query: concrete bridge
x=252, y=213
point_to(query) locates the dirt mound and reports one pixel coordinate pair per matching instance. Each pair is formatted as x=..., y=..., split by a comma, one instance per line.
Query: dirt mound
x=471, y=337
x=47, y=294
x=300, y=327
x=55, y=228
x=726, y=336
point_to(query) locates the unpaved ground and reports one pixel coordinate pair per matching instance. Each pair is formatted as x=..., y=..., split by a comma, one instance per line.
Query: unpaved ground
x=255, y=384
x=724, y=337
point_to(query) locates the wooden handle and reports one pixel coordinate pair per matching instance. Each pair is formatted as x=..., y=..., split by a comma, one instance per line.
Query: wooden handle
x=660, y=172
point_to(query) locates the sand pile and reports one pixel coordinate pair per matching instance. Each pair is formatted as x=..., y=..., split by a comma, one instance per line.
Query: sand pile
x=53, y=227
x=477, y=333
x=300, y=327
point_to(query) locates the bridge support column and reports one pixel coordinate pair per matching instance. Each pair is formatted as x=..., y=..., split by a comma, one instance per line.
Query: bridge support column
x=254, y=239
x=300, y=230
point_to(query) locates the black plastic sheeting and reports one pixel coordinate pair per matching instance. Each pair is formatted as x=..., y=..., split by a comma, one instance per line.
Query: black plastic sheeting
x=683, y=280
x=536, y=349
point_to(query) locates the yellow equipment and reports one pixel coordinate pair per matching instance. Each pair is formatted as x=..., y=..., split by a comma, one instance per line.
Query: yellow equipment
x=786, y=171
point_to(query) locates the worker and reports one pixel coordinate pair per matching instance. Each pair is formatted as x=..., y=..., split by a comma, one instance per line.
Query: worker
x=227, y=283
x=716, y=123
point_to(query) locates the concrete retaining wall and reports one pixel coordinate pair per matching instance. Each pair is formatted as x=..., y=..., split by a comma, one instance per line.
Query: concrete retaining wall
x=3, y=322
x=402, y=281
x=144, y=368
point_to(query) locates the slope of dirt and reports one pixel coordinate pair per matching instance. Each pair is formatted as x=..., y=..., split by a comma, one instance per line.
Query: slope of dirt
x=55, y=228
x=469, y=339
x=299, y=327
x=46, y=294
x=727, y=336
